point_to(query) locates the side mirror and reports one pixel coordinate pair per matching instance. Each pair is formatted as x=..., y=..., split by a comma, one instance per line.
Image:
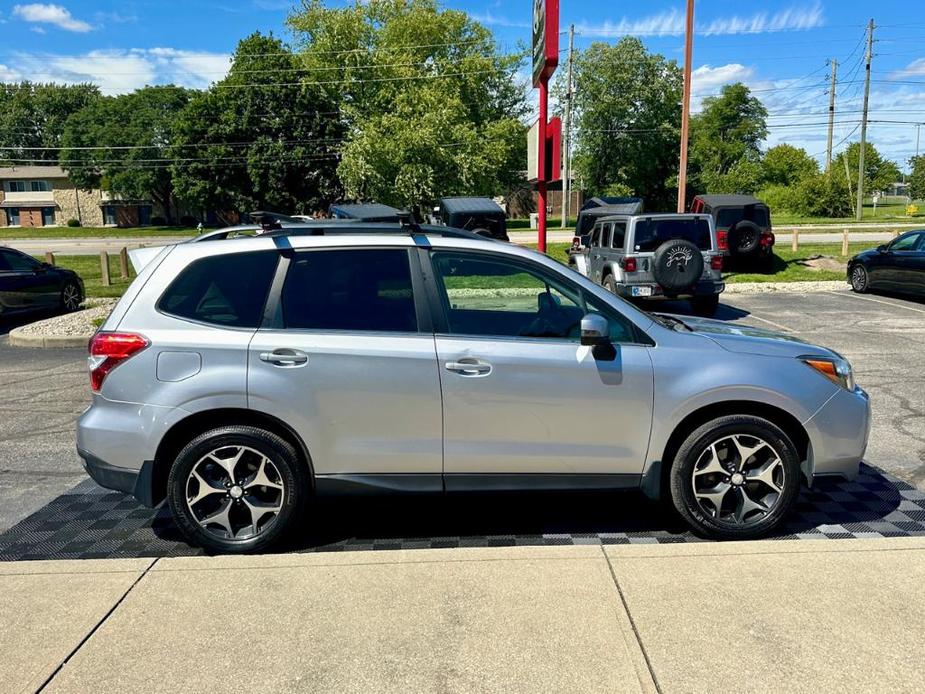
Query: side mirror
x=882, y=248
x=594, y=330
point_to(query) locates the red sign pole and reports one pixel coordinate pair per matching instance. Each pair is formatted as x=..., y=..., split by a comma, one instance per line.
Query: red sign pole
x=541, y=158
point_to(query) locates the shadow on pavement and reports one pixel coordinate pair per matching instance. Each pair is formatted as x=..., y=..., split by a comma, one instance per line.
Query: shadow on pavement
x=90, y=522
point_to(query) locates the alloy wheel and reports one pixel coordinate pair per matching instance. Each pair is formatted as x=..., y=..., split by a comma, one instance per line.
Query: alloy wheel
x=738, y=480
x=235, y=493
x=71, y=297
x=859, y=278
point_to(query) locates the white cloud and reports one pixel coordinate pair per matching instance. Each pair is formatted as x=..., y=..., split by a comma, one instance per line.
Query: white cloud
x=706, y=80
x=672, y=23
x=490, y=19
x=120, y=71
x=914, y=69
x=40, y=13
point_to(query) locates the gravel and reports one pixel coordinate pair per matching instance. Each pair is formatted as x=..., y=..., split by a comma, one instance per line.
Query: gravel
x=784, y=287
x=77, y=324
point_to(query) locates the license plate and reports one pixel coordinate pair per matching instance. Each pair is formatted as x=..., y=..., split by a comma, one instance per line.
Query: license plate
x=642, y=291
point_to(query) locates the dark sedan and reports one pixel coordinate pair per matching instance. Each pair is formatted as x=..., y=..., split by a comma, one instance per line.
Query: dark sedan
x=26, y=285
x=898, y=266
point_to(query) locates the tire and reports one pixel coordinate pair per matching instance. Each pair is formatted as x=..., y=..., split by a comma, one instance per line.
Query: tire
x=744, y=238
x=256, y=451
x=70, y=298
x=610, y=284
x=710, y=461
x=860, y=279
x=677, y=265
x=705, y=305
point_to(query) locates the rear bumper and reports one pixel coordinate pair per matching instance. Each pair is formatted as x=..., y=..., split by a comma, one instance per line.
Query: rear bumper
x=138, y=483
x=702, y=288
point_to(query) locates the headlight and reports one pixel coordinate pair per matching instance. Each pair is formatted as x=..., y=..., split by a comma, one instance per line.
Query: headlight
x=836, y=369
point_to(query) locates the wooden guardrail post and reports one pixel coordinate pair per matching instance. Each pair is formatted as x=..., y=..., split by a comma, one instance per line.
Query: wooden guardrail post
x=50, y=258
x=795, y=240
x=895, y=233
x=123, y=263
x=104, y=268
x=844, y=243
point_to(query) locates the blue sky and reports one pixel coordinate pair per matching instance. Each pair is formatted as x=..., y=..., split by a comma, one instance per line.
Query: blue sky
x=777, y=47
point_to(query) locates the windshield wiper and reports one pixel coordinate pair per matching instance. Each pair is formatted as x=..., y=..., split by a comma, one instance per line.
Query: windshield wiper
x=670, y=322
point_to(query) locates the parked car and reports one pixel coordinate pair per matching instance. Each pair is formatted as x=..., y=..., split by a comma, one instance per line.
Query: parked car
x=898, y=266
x=239, y=378
x=657, y=257
x=482, y=216
x=590, y=212
x=27, y=285
x=743, y=224
x=365, y=212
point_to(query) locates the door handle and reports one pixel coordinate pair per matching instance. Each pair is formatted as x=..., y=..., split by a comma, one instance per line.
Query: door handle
x=469, y=367
x=285, y=357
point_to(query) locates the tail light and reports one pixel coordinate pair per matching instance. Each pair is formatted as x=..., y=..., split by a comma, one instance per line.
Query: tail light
x=767, y=238
x=716, y=262
x=722, y=240
x=108, y=350
x=576, y=242
x=629, y=264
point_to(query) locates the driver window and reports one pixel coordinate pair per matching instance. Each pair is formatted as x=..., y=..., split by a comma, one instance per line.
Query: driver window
x=906, y=243
x=596, y=236
x=14, y=262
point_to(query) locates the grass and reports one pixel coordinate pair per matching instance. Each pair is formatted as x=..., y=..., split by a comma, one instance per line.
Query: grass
x=93, y=232
x=787, y=267
x=89, y=269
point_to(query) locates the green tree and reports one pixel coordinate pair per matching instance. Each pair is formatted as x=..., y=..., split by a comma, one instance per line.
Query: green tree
x=823, y=195
x=916, y=179
x=259, y=138
x=432, y=105
x=122, y=144
x=726, y=136
x=879, y=173
x=32, y=118
x=627, y=120
x=786, y=165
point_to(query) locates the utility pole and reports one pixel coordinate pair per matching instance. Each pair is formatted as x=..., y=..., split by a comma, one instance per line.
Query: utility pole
x=918, y=134
x=567, y=153
x=870, y=54
x=828, y=150
x=686, y=106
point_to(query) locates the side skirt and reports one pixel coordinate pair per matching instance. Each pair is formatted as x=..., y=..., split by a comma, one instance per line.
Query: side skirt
x=353, y=484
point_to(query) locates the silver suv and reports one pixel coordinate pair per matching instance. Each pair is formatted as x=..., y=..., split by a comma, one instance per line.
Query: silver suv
x=658, y=256
x=238, y=378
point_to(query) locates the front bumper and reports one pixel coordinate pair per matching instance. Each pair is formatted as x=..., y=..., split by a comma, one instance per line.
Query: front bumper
x=652, y=290
x=839, y=433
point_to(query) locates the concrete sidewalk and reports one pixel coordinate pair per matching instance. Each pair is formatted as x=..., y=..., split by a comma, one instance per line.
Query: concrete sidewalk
x=771, y=616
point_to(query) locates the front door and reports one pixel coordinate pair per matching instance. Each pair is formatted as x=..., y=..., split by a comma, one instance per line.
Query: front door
x=27, y=284
x=522, y=399
x=349, y=363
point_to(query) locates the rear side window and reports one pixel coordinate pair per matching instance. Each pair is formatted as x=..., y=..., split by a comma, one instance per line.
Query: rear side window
x=225, y=290
x=619, y=235
x=652, y=233
x=363, y=290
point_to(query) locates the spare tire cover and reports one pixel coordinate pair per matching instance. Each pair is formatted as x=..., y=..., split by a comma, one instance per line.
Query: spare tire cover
x=744, y=237
x=677, y=265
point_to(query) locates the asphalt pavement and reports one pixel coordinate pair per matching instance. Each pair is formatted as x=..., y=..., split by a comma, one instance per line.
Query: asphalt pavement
x=42, y=392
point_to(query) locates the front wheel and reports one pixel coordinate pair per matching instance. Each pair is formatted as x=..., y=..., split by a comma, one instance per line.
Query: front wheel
x=860, y=280
x=610, y=284
x=735, y=478
x=236, y=489
x=705, y=305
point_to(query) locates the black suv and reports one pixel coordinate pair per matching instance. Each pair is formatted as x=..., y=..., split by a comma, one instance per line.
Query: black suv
x=482, y=216
x=743, y=225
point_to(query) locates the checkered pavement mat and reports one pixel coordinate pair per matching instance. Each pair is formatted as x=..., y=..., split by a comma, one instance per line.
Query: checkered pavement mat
x=90, y=522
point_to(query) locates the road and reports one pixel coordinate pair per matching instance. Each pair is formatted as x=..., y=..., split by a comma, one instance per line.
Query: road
x=43, y=392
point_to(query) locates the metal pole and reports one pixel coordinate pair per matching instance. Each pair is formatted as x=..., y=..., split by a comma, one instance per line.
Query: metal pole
x=685, y=114
x=918, y=134
x=541, y=160
x=859, y=213
x=567, y=153
x=828, y=150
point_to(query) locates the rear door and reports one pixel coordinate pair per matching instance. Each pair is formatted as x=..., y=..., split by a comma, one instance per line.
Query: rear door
x=348, y=360
x=27, y=283
x=521, y=396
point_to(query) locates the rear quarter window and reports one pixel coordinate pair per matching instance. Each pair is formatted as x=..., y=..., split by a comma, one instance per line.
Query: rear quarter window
x=227, y=290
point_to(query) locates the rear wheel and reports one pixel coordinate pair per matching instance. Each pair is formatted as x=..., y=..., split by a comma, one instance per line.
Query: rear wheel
x=236, y=489
x=735, y=478
x=70, y=297
x=705, y=305
x=860, y=280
